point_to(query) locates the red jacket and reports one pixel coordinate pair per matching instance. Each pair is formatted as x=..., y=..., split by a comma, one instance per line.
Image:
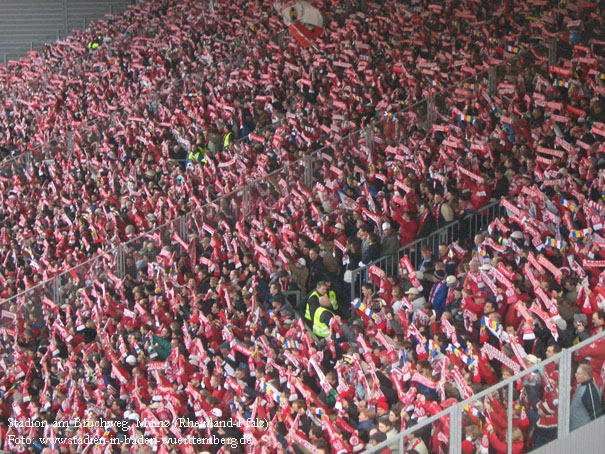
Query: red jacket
x=488, y=376
x=500, y=418
x=475, y=308
x=597, y=299
x=499, y=447
x=512, y=317
x=407, y=232
x=595, y=351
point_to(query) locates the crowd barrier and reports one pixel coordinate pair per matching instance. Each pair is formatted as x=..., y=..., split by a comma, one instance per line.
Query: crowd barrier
x=115, y=264
x=459, y=230
x=472, y=223
x=474, y=408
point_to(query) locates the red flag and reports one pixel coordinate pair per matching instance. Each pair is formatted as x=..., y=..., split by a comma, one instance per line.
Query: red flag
x=304, y=35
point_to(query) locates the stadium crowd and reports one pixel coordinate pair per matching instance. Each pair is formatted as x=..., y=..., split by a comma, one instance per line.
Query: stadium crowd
x=203, y=326
x=113, y=112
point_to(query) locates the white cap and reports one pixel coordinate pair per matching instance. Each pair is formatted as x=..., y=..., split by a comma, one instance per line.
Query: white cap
x=339, y=226
x=485, y=267
x=131, y=360
x=302, y=262
x=386, y=226
x=532, y=359
x=412, y=291
x=216, y=412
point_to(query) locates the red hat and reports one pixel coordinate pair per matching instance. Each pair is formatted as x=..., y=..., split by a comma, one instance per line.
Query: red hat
x=197, y=376
x=468, y=447
x=382, y=403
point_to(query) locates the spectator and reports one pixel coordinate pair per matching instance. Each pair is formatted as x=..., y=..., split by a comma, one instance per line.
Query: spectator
x=501, y=183
x=313, y=302
x=372, y=251
x=389, y=241
x=408, y=228
x=416, y=444
x=500, y=446
x=586, y=399
x=426, y=221
x=377, y=438
x=317, y=269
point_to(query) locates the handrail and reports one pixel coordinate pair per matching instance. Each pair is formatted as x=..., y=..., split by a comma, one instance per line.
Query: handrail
x=437, y=233
x=563, y=358
x=300, y=161
x=6, y=162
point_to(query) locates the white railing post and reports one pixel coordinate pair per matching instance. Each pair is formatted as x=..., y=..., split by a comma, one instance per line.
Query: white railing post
x=57, y=297
x=308, y=177
x=369, y=136
x=120, y=262
x=184, y=227
x=492, y=81
x=565, y=379
x=455, y=442
x=509, y=424
x=430, y=112
x=246, y=199
x=552, y=52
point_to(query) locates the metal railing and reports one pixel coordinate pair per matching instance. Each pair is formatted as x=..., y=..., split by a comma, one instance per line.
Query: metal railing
x=472, y=223
x=478, y=408
x=20, y=160
x=458, y=230
x=312, y=169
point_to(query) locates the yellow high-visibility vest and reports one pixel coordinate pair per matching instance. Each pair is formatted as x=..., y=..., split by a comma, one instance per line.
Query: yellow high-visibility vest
x=226, y=140
x=308, y=310
x=320, y=329
x=333, y=299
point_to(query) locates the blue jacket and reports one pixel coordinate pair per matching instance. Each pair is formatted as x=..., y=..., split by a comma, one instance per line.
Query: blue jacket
x=438, y=296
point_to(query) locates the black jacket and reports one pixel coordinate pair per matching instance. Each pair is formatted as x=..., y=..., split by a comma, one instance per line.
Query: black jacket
x=428, y=226
x=592, y=400
x=501, y=189
x=371, y=253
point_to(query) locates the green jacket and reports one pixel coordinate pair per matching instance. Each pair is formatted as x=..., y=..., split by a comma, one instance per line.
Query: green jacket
x=161, y=346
